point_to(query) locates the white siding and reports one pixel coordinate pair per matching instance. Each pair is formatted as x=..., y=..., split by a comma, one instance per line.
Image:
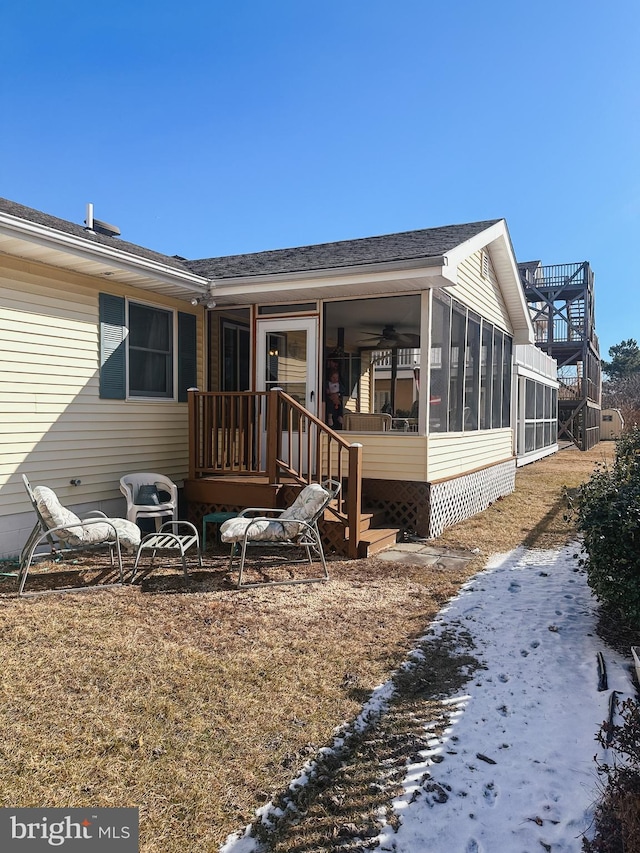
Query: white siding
x=54, y=427
x=453, y=454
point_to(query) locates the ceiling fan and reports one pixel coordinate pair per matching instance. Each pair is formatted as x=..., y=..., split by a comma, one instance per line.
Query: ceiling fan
x=390, y=338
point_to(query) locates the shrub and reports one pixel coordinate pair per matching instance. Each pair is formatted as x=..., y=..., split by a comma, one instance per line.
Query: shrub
x=607, y=513
x=617, y=816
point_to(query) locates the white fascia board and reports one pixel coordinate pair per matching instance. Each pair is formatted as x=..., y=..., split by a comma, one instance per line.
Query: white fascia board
x=70, y=244
x=474, y=244
x=429, y=269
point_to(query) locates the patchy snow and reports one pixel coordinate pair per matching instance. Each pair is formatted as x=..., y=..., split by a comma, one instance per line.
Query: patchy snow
x=514, y=770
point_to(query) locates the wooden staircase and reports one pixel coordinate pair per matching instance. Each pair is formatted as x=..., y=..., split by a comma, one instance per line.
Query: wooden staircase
x=372, y=538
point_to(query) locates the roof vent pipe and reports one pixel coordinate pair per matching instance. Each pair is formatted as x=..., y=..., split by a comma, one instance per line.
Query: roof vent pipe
x=89, y=220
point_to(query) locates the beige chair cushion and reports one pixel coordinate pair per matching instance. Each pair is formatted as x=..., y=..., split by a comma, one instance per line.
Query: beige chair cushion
x=56, y=515
x=304, y=508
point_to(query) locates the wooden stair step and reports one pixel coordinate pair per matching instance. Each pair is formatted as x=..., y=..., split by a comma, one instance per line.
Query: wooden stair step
x=377, y=539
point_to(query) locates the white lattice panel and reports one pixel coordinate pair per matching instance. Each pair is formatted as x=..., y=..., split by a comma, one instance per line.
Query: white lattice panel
x=453, y=500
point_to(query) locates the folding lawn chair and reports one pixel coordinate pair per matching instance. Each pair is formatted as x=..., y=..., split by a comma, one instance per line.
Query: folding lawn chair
x=63, y=531
x=295, y=527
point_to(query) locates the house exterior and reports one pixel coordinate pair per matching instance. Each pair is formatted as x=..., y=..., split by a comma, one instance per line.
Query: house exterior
x=77, y=403
x=100, y=340
x=452, y=298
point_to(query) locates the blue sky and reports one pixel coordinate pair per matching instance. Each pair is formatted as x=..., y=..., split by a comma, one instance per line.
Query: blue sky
x=211, y=128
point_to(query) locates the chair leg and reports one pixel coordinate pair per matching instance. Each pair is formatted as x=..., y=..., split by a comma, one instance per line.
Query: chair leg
x=243, y=556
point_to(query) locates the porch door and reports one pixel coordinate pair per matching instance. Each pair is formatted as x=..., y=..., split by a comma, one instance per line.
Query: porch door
x=287, y=358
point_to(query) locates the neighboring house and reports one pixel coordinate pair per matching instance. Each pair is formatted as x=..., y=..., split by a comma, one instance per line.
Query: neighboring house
x=611, y=424
x=561, y=300
x=99, y=341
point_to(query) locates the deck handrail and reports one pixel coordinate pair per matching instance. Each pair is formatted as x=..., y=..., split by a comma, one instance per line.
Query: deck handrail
x=270, y=433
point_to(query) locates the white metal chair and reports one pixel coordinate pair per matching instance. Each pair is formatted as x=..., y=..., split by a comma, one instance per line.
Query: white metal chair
x=63, y=531
x=295, y=527
x=145, y=498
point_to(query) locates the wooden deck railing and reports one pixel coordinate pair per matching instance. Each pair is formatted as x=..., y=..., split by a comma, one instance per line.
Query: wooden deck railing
x=270, y=434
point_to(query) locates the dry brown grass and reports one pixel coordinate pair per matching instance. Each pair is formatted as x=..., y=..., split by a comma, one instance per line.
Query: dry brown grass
x=198, y=703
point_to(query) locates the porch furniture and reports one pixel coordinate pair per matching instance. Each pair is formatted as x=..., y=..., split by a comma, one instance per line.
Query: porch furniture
x=295, y=527
x=149, y=496
x=400, y=424
x=367, y=422
x=173, y=539
x=62, y=530
x=216, y=518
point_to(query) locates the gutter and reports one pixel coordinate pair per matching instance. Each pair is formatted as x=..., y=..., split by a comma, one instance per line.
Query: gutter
x=42, y=235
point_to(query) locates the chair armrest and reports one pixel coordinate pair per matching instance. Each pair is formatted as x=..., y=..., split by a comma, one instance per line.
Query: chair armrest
x=174, y=527
x=88, y=522
x=301, y=524
x=94, y=513
x=262, y=509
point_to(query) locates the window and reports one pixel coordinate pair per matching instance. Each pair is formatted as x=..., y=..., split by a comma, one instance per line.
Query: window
x=235, y=356
x=540, y=416
x=138, y=352
x=150, y=351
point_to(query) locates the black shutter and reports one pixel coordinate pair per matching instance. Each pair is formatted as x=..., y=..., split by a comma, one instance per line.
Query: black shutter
x=187, y=354
x=112, y=348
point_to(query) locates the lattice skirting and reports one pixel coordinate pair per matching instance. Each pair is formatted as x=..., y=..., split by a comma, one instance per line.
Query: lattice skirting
x=401, y=504
x=453, y=500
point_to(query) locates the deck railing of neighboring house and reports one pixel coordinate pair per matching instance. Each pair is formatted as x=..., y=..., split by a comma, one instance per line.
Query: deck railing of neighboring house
x=270, y=434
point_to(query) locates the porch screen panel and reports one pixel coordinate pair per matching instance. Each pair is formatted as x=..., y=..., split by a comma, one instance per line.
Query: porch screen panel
x=506, y=381
x=486, y=367
x=456, y=374
x=496, y=384
x=440, y=362
x=472, y=374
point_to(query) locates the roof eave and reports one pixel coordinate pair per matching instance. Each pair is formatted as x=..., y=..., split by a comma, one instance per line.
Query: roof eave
x=116, y=258
x=337, y=282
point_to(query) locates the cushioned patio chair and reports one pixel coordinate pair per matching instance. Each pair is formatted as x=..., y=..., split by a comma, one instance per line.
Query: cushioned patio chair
x=295, y=527
x=63, y=531
x=150, y=496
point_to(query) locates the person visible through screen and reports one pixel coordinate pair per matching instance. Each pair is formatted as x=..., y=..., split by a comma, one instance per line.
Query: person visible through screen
x=333, y=397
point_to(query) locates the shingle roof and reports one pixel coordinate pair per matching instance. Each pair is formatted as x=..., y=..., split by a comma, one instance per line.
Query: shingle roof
x=407, y=245
x=39, y=218
x=404, y=246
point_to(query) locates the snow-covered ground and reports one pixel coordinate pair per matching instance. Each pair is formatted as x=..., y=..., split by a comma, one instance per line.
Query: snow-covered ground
x=514, y=771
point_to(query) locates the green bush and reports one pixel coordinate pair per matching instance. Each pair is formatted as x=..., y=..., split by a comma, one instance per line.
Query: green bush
x=607, y=513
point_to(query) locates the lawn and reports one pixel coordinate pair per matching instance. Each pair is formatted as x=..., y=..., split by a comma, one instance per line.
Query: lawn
x=198, y=703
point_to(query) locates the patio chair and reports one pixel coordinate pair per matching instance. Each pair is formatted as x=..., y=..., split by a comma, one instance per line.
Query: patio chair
x=150, y=496
x=295, y=527
x=63, y=531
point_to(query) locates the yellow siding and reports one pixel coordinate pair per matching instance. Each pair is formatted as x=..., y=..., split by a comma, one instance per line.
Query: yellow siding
x=54, y=427
x=482, y=295
x=392, y=457
x=452, y=454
